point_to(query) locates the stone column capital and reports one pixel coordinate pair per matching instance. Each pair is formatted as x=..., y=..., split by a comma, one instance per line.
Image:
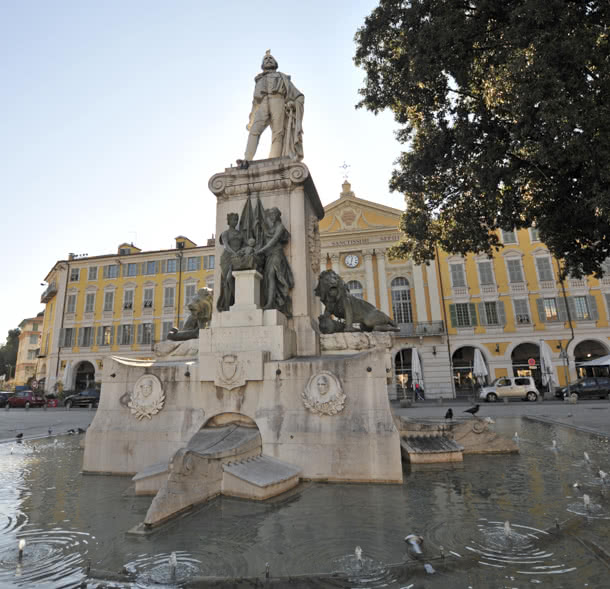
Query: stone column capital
x=368, y=254
x=380, y=253
x=334, y=257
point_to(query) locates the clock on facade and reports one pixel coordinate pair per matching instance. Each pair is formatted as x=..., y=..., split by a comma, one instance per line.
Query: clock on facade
x=351, y=260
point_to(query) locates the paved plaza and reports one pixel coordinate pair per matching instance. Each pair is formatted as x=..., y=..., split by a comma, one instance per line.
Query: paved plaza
x=35, y=423
x=590, y=416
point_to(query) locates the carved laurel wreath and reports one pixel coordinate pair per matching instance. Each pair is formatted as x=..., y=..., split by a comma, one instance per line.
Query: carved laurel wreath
x=141, y=411
x=329, y=408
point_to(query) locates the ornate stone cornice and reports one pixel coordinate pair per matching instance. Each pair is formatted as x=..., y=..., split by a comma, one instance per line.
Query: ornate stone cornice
x=266, y=176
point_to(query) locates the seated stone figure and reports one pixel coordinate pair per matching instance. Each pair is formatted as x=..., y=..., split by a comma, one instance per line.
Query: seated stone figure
x=338, y=302
x=201, y=313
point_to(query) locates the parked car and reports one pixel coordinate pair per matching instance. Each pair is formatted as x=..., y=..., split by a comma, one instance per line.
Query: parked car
x=592, y=387
x=4, y=395
x=507, y=387
x=83, y=398
x=25, y=399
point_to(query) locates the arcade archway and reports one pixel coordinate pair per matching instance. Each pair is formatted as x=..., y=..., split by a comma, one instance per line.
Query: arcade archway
x=85, y=376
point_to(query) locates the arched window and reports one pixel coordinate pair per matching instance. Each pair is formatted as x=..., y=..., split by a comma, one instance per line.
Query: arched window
x=401, y=300
x=355, y=289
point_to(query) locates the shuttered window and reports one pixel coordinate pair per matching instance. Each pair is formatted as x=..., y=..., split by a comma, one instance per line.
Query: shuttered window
x=463, y=315
x=492, y=313
x=522, y=314
x=458, y=278
x=545, y=270
x=486, y=275
x=169, y=295
x=90, y=302
x=108, y=301
x=515, y=271
x=509, y=237
x=71, y=304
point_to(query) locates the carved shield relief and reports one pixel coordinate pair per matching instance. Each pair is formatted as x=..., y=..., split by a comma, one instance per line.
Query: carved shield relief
x=229, y=372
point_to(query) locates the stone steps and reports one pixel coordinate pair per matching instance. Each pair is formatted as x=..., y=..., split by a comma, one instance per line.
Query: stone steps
x=259, y=477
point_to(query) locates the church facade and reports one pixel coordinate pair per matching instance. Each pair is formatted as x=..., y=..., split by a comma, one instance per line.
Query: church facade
x=504, y=306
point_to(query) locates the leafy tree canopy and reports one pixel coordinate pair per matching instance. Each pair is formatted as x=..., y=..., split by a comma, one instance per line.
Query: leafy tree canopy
x=504, y=106
x=8, y=352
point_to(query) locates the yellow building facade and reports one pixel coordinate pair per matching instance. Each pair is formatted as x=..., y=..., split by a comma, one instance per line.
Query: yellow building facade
x=505, y=306
x=29, y=347
x=116, y=304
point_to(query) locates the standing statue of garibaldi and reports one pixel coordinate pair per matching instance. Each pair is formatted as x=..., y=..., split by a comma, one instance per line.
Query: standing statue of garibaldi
x=279, y=104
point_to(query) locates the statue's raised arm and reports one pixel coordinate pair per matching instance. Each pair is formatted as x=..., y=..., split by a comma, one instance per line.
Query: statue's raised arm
x=279, y=104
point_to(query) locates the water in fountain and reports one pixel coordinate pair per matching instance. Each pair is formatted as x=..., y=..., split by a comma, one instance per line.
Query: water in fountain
x=587, y=459
x=173, y=565
x=554, y=445
x=415, y=543
x=507, y=530
x=69, y=519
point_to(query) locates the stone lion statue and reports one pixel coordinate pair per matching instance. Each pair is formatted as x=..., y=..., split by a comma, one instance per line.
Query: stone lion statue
x=201, y=313
x=338, y=302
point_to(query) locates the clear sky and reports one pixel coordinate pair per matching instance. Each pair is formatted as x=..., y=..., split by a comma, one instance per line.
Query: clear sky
x=115, y=114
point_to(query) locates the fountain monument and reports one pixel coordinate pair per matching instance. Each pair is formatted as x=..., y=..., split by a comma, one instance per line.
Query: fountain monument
x=242, y=401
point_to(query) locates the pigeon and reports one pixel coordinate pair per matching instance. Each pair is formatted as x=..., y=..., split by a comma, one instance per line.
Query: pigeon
x=71, y=432
x=449, y=414
x=472, y=410
x=19, y=435
x=50, y=431
x=81, y=430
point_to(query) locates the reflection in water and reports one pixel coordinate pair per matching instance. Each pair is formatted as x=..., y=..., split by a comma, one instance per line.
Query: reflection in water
x=68, y=519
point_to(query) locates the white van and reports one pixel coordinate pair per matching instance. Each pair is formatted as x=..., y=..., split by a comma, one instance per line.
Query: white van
x=507, y=387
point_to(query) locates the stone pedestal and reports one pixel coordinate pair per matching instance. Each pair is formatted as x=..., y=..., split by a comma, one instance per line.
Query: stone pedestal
x=286, y=184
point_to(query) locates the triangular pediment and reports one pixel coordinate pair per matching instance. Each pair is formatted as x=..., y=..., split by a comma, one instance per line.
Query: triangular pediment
x=350, y=213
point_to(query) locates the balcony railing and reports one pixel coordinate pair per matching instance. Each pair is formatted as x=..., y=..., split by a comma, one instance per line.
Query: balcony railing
x=49, y=293
x=423, y=328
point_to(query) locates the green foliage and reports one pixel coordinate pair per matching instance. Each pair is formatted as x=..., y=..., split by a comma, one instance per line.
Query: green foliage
x=8, y=353
x=504, y=108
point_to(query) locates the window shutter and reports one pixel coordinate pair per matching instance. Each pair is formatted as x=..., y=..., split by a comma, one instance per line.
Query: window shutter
x=98, y=335
x=183, y=264
x=80, y=337
x=541, y=313
x=482, y=313
x=472, y=310
x=501, y=313
x=562, y=310
x=457, y=275
x=607, y=295
x=592, y=303
x=152, y=333
x=453, y=315
x=140, y=332
x=105, y=273
x=111, y=335
x=124, y=269
x=62, y=336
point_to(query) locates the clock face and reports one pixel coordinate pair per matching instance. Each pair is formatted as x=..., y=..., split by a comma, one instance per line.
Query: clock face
x=351, y=260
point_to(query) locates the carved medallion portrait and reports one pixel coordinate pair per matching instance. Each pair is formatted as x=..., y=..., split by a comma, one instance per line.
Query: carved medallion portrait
x=324, y=394
x=147, y=398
